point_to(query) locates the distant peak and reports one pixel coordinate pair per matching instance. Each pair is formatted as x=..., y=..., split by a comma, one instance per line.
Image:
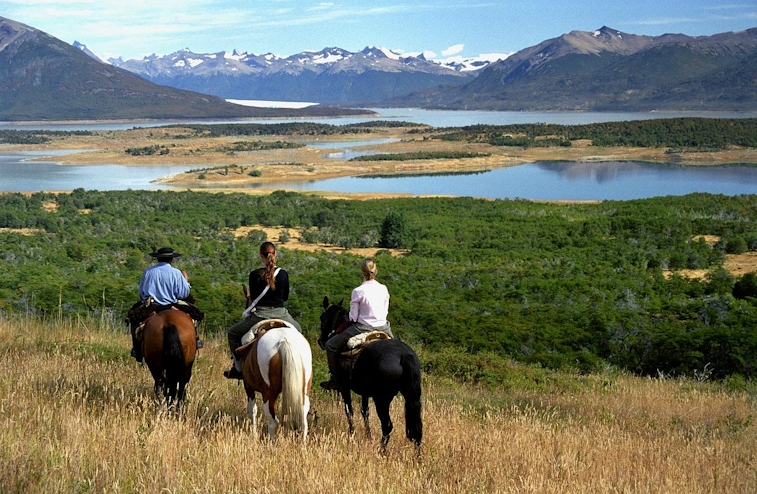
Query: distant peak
x=379, y=52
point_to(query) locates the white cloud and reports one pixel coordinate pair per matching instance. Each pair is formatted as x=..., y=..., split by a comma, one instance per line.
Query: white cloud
x=453, y=50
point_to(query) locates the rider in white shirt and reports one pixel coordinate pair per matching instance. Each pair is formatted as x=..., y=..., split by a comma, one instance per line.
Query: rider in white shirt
x=369, y=306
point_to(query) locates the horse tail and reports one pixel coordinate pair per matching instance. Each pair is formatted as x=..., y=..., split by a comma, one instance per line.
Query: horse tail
x=292, y=386
x=411, y=390
x=173, y=355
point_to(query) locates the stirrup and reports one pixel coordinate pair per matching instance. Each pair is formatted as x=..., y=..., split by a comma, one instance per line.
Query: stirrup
x=232, y=373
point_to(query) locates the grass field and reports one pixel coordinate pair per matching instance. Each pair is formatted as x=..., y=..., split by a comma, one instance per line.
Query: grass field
x=78, y=415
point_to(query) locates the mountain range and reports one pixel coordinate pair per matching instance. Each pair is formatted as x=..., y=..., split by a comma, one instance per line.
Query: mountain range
x=330, y=76
x=608, y=70
x=43, y=78
x=602, y=70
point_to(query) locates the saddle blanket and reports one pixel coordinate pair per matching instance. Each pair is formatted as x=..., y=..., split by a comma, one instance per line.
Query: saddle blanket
x=365, y=338
x=263, y=326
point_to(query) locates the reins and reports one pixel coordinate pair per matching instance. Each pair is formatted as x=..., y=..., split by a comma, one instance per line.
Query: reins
x=336, y=323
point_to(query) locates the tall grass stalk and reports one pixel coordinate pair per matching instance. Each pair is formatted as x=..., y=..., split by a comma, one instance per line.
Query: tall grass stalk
x=78, y=415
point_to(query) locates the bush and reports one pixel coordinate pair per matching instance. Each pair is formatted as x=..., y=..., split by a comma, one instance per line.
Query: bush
x=746, y=287
x=736, y=245
x=394, y=233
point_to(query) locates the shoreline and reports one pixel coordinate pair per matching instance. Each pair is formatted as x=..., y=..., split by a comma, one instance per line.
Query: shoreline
x=217, y=164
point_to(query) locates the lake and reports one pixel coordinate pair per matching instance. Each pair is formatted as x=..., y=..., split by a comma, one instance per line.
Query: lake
x=539, y=181
x=556, y=181
x=18, y=175
x=435, y=118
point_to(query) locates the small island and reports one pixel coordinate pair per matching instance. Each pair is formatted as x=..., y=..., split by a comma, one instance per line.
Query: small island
x=240, y=155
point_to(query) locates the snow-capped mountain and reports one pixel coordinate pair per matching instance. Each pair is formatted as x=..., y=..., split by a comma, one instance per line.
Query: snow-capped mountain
x=44, y=78
x=332, y=75
x=609, y=70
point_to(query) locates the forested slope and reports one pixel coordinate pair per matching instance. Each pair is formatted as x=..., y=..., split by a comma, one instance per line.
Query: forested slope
x=577, y=285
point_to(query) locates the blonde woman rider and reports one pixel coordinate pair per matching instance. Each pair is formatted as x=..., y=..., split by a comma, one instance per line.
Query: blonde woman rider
x=369, y=306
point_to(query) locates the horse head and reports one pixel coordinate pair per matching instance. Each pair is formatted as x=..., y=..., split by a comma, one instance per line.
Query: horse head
x=332, y=317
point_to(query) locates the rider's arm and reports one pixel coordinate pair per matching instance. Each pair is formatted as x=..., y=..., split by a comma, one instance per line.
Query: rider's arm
x=282, y=284
x=355, y=305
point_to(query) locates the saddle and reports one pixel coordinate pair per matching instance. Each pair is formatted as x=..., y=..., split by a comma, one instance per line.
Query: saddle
x=357, y=344
x=257, y=331
x=141, y=311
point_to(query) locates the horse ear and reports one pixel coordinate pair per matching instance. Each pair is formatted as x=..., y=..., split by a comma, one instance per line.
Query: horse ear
x=341, y=303
x=325, y=302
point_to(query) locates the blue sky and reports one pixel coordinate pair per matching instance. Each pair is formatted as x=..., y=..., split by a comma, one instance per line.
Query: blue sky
x=441, y=28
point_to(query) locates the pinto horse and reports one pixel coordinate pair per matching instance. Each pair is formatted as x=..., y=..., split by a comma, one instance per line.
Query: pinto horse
x=383, y=369
x=169, y=345
x=277, y=361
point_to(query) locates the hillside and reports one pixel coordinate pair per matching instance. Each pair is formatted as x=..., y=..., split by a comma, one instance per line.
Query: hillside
x=79, y=415
x=576, y=286
x=607, y=70
x=43, y=78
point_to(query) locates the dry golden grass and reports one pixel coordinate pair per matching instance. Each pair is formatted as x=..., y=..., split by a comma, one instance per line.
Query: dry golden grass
x=78, y=415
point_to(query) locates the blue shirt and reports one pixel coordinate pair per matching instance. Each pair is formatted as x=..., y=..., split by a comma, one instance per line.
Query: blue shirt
x=164, y=283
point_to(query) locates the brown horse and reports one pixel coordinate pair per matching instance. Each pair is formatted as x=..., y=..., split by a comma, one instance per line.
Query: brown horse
x=169, y=347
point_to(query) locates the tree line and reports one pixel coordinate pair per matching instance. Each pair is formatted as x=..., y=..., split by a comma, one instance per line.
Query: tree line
x=689, y=132
x=562, y=286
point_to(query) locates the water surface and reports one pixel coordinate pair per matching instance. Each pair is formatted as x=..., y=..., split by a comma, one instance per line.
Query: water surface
x=19, y=175
x=556, y=181
x=549, y=181
x=435, y=118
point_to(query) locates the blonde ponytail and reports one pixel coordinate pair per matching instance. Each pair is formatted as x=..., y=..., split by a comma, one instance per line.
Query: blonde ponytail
x=369, y=269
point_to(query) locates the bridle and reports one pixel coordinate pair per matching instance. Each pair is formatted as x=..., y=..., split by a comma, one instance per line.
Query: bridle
x=340, y=315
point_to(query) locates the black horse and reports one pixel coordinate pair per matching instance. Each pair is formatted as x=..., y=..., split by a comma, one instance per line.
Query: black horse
x=382, y=369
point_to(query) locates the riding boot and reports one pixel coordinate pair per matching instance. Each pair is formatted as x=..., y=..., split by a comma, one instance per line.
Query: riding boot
x=136, y=347
x=333, y=383
x=200, y=343
x=236, y=370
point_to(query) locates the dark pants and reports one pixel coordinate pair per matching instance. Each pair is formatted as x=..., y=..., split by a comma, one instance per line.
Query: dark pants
x=338, y=343
x=138, y=313
x=237, y=331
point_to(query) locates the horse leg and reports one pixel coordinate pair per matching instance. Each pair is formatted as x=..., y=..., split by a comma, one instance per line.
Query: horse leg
x=252, y=411
x=170, y=392
x=181, y=394
x=382, y=410
x=347, y=398
x=305, y=411
x=269, y=408
x=365, y=411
